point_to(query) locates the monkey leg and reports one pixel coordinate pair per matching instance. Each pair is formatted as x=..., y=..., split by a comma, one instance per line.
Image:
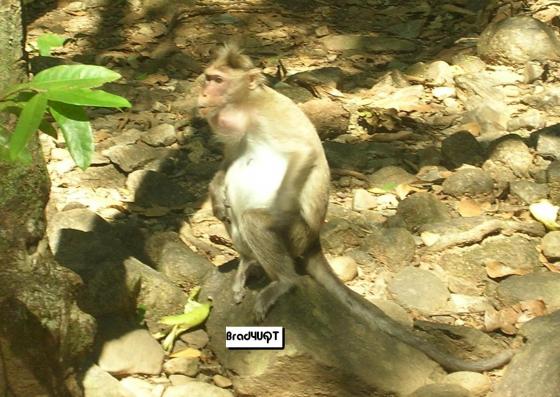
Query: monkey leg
x=241, y=278
x=271, y=252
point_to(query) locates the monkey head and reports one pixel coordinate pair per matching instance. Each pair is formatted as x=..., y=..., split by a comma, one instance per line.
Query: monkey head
x=229, y=80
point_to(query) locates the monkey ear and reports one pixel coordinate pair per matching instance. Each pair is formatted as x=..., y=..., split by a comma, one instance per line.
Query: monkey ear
x=255, y=78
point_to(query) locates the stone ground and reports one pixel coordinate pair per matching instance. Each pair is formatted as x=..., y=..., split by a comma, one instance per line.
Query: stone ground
x=436, y=154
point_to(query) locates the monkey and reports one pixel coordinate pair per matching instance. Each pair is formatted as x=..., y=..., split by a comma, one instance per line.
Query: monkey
x=272, y=190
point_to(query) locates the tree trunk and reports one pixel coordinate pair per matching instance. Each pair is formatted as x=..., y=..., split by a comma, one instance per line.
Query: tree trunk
x=43, y=334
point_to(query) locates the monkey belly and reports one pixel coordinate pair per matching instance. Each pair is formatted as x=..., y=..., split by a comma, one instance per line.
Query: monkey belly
x=251, y=182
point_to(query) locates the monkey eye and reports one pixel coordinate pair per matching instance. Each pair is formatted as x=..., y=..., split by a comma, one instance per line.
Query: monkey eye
x=215, y=78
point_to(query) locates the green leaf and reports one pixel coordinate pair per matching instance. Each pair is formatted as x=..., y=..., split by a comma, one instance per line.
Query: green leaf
x=48, y=41
x=195, y=314
x=48, y=129
x=28, y=123
x=76, y=130
x=69, y=77
x=87, y=97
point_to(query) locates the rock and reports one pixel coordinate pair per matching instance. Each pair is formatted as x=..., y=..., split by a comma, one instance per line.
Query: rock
x=154, y=291
x=155, y=189
x=197, y=339
x=172, y=257
x=406, y=98
x=547, y=99
x=513, y=153
x=535, y=285
x=532, y=72
x=462, y=148
x=390, y=177
x=500, y=173
x=363, y=200
x=479, y=88
x=419, y=289
x=79, y=238
x=343, y=370
x=533, y=370
x=514, y=252
x=344, y=267
x=531, y=120
x=188, y=366
x=469, y=63
x=492, y=118
x=138, y=387
x=441, y=390
x=139, y=155
x=196, y=389
x=550, y=245
x=393, y=247
x=99, y=383
x=358, y=42
x=459, y=303
x=44, y=331
x=322, y=31
x=468, y=181
x=437, y=72
x=422, y=208
x=553, y=179
x=429, y=156
x=478, y=384
x=222, y=381
x=517, y=40
x=527, y=191
x=337, y=235
x=125, y=350
x=548, y=141
x=329, y=118
x=105, y=176
x=362, y=155
x=180, y=379
x=297, y=94
x=444, y=92
x=160, y=135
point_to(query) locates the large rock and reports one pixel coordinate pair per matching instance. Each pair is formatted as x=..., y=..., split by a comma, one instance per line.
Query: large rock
x=368, y=360
x=533, y=371
x=518, y=40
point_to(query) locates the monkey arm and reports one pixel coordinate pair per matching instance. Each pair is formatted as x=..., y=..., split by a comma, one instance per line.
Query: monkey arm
x=287, y=202
x=218, y=196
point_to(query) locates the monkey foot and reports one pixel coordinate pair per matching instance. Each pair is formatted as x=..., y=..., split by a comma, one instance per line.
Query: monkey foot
x=268, y=297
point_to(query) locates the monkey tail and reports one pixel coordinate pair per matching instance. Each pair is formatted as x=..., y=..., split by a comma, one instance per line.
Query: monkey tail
x=319, y=269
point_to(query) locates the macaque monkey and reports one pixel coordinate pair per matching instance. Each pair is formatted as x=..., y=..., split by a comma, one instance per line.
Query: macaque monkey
x=272, y=193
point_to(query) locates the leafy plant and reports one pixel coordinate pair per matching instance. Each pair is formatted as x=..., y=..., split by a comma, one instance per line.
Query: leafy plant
x=46, y=42
x=62, y=91
x=194, y=314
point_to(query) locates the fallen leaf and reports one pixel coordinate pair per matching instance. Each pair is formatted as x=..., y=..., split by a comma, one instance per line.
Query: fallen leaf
x=189, y=352
x=467, y=207
x=497, y=269
x=504, y=319
x=404, y=190
x=546, y=213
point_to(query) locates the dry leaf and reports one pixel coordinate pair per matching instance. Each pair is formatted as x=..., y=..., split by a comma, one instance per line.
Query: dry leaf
x=189, y=352
x=531, y=309
x=429, y=238
x=472, y=127
x=467, y=207
x=497, y=269
x=404, y=190
x=546, y=213
x=504, y=319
